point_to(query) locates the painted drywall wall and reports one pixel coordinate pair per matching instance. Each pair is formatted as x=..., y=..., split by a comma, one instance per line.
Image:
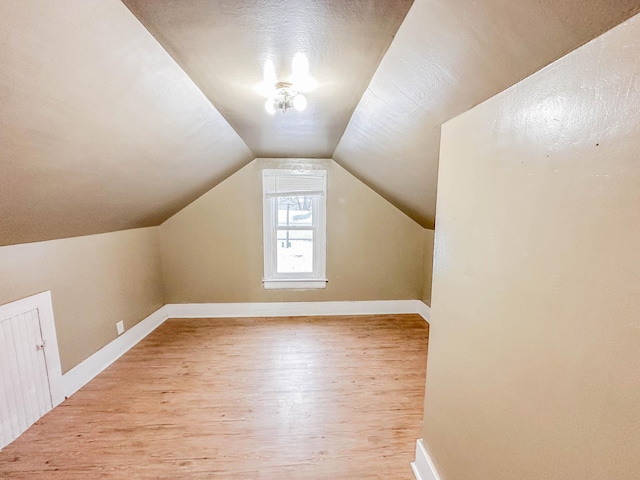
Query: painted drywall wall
x=427, y=265
x=95, y=281
x=212, y=249
x=534, y=370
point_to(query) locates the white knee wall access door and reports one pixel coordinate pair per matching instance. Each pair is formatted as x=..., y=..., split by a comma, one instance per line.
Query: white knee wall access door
x=30, y=374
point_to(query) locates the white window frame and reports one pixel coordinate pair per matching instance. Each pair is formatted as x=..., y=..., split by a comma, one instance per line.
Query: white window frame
x=307, y=280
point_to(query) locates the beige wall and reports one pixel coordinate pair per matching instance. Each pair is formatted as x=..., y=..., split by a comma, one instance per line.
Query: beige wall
x=427, y=265
x=212, y=250
x=212, y=253
x=95, y=281
x=534, y=363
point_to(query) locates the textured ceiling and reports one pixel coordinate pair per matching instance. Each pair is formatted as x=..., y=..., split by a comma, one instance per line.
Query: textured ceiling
x=448, y=56
x=102, y=130
x=223, y=46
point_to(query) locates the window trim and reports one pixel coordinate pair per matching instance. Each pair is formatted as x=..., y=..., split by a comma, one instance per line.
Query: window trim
x=299, y=280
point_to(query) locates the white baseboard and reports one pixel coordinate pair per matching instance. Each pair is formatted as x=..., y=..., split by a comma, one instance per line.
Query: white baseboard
x=424, y=310
x=423, y=467
x=285, y=309
x=80, y=375
x=83, y=373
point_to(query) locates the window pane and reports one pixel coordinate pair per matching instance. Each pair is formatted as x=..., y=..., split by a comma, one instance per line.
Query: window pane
x=295, y=251
x=295, y=211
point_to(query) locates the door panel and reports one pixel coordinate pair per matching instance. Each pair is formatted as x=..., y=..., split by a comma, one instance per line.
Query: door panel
x=30, y=377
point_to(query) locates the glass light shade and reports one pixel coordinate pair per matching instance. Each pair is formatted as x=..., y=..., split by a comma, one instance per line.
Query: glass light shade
x=300, y=102
x=269, y=106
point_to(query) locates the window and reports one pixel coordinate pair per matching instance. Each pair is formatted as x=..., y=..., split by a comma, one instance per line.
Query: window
x=294, y=228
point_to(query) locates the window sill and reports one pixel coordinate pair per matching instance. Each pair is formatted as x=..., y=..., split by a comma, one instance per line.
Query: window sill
x=294, y=284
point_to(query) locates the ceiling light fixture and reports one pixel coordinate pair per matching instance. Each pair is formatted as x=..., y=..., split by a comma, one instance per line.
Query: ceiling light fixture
x=284, y=98
x=286, y=95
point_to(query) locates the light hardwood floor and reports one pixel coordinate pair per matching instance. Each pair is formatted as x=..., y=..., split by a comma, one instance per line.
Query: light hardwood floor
x=266, y=398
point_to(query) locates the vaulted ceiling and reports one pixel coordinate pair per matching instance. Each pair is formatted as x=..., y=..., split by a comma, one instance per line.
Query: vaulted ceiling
x=223, y=46
x=116, y=115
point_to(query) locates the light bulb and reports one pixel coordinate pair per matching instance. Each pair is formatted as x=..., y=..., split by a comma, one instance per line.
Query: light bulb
x=300, y=102
x=266, y=87
x=300, y=65
x=300, y=73
x=269, y=106
x=269, y=73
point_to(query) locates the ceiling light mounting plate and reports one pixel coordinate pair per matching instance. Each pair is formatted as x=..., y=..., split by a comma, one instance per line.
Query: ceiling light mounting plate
x=286, y=88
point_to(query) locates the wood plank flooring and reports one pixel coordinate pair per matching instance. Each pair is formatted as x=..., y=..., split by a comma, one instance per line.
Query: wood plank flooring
x=264, y=398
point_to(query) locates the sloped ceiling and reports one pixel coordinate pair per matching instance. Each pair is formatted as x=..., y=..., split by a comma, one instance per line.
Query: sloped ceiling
x=223, y=46
x=448, y=56
x=102, y=130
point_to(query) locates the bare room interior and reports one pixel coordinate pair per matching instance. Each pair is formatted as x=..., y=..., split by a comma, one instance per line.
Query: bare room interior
x=377, y=239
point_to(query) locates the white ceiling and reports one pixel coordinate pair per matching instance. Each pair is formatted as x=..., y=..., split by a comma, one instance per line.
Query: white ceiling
x=102, y=130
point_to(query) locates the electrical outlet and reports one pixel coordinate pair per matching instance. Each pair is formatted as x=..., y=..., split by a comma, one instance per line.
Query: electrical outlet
x=120, y=327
